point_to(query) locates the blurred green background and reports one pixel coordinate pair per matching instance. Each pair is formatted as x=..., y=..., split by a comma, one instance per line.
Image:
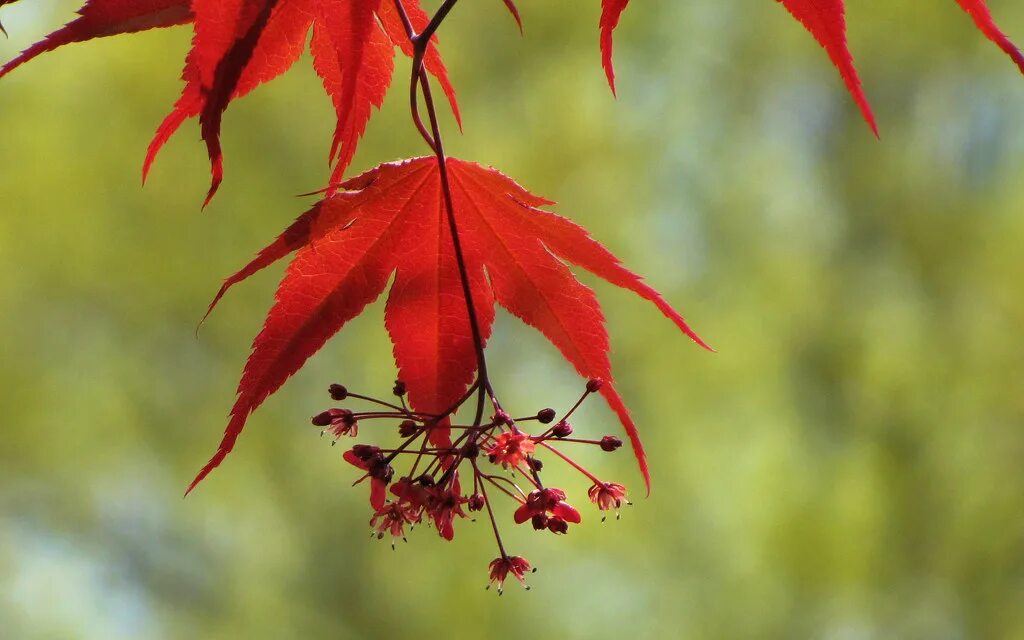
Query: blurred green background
x=847, y=466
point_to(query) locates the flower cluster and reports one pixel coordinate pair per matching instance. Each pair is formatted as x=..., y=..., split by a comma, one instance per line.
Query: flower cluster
x=499, y=456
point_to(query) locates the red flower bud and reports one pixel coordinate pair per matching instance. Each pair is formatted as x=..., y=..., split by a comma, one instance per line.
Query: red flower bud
x=610, y=443
x=381, y=470
x=562, y=430
x=557, y=525
x=425, y=480
x=408, y=429
x=365, y=451
x=334, y=416
x=322, y=419
x=545, y=416
x=594, y=385
x=338, y=392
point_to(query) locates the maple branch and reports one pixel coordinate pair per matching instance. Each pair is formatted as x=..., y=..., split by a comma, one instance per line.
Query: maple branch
x=420, y=41
x=460, y=260
x=420, y=83
x=417, y=63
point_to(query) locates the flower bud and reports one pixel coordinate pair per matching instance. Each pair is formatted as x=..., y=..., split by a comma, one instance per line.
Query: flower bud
x=610, y=443
x=594, y=385
x=476, y=502
x=333, y=416
x=381, y=470
x=557, y=525
x=562, y=430
x=408, y=429
x=338, y=392
x=399, y=388
x=545, y=416
x=540, y=522
x=425, y=480
x=365, y=451
x=549, y=497
x=322, y=419
x=535, y=464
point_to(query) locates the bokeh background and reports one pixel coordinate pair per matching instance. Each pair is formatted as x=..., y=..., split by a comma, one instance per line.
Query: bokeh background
x=847, y=466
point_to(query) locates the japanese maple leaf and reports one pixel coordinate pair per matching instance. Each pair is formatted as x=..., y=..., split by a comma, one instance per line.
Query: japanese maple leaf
x=826, y=21
x=391, y=221
x=240, y=44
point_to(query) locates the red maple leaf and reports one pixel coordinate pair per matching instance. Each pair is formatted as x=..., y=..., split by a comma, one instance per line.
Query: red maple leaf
x=391, y=220
x=826, y=21
x=452, y=237
x=240, y=44
x=106, y=18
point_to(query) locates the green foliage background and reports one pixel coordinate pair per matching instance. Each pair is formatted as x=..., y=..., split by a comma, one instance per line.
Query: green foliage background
x=847, y=466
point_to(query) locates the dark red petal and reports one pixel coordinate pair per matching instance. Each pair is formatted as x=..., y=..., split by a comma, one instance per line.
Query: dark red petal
x=566, y=512
x=354, y=460
x=378, y=493
x=523, y=513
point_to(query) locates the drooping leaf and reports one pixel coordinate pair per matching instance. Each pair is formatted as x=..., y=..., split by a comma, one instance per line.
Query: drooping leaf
x=2, y=3
x=101, y=18
x=826, y=21
x=241, y=44
x=514, y=11
x=343, y=265
x=354, y=59
x=392, y=220
x=611, y=12
x=978, y=10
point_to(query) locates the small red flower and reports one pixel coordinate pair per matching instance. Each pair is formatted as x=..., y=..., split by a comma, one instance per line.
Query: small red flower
x=430, y=491
x=556, y=525
x=339, y=422
x=410, y=492
x=377, y=468
x=543, y=501
x=393, y=517
x=442, y=506
x=502, y=567
x=607, y=495
x=510, y=449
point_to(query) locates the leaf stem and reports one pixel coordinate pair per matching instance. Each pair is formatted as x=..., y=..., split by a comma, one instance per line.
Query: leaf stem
x=420, y=85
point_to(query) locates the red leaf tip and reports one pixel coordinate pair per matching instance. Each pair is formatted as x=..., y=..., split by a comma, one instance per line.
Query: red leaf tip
x=611, y=12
